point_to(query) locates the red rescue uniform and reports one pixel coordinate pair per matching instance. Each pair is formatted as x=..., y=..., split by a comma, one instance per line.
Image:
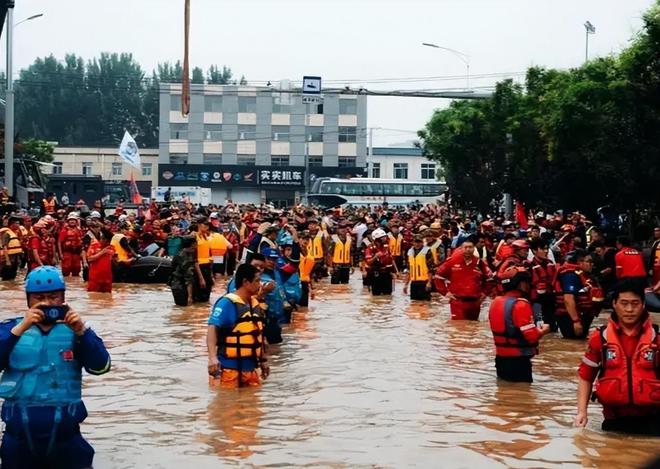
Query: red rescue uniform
x=514, y=331
x=45, y=247
x=71, y=241
x=629, y=263
x=100, y=270
x=628, y=384
x=467, y=284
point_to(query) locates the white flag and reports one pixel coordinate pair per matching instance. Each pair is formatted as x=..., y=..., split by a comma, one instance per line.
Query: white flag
x=129, y=151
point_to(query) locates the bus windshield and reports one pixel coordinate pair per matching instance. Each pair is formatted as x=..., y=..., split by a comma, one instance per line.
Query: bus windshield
x=381, y=189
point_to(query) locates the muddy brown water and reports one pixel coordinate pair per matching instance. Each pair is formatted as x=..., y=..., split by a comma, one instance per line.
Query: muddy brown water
x=359, y=382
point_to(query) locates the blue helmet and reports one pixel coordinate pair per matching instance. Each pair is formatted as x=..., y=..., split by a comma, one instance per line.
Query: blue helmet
x=270, y=252
x=44, y=279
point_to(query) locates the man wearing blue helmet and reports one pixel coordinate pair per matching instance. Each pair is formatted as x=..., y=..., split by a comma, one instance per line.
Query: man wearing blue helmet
x=41, y=358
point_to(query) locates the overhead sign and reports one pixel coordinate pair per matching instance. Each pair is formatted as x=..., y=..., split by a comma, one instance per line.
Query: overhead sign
x=312, y=85
x=230, y=175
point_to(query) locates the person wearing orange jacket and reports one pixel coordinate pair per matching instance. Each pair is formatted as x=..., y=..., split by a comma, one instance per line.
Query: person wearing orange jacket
x=515, y=332
x=629, y=261
x=467, y=276
x=519, y=251
x=70, y=245
x=543, y=273
x=306, y=267
x=623, y=359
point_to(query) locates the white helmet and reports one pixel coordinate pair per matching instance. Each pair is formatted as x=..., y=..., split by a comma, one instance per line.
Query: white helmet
x=378, y=233
x=95, y=214
x=73, y=216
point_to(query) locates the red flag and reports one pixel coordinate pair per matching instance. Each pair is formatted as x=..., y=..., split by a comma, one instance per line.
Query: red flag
x=136, y=198
x=185, y=79
x=521, y=215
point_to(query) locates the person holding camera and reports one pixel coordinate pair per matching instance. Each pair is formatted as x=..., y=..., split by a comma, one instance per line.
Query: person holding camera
x=42, y=356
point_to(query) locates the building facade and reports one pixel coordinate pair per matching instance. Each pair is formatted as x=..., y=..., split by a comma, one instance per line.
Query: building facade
x=106, y=163
x=249, y=144
x=401, y=163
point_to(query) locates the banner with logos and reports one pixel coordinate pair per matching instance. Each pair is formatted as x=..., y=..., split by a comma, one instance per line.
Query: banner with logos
x=230, y=175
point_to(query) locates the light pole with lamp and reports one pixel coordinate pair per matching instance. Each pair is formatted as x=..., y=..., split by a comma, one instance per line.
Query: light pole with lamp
x=462, y=56
x=9, y=99
x=590, y=29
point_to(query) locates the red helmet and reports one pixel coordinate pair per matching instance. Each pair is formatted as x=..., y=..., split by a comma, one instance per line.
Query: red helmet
x=512, y=277
x=520, y=244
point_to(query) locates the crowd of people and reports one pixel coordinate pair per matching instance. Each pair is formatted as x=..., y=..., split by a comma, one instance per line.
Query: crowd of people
x=553, y=274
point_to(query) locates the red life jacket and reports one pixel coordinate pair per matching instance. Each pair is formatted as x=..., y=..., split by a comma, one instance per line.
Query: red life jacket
x=49, y=206
x=509, y=340
x=629, y=380
x=46, y=250
x=509, y=262
x=583, y=298
x=543, y=275
x=72, y=240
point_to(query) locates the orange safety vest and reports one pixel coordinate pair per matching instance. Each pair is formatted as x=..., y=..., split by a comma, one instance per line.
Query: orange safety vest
x=306, y=266
x=395, y=243
x=629, y=380
x=203, y=250
x=49, y=207
x=341, y=253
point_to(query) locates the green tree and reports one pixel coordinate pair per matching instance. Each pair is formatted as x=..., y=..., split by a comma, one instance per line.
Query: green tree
x=197, y=76
x=39, y=149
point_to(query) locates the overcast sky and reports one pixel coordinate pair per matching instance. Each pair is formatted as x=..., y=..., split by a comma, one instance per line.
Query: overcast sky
x=344, y=41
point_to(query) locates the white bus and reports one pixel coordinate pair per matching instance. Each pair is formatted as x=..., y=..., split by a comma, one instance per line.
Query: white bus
x=331, y=192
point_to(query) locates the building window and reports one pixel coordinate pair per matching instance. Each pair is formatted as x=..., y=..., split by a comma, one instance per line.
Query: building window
x=281, y=108
x=146, y=169
x=213, y=132
x=428, y=170
x=375, y=170
x=315, y=161
x=347, y=134
x=247, y=132
x=346, y=162
x=175, y=104
x=400, y=170
x=116, y=169
x=213, y=104
x=279, y=160
x=87, y=169
x=314, y=134
x=246, y=160
x=348, y=106
x=247, y=104
x=280, y=133
x=178, y=131
x=57, y=168
x=212, y=158
x=178, y=158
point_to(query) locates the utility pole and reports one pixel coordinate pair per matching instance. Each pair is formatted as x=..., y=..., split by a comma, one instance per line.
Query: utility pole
x=370, y=153
x=589, y=29
x=9, y=103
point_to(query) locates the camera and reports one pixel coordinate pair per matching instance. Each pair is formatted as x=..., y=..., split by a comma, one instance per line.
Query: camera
x=54, y=313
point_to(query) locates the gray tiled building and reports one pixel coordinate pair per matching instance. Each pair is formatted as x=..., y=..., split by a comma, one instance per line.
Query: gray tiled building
x=232, y=128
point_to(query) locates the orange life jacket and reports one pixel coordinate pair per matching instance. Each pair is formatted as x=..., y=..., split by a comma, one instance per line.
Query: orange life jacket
x=49, y=206
x=509, y=339
x=629, y=380
x=72, y=240
x=543, y=276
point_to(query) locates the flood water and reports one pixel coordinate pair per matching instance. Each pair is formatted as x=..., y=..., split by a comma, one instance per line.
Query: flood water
x=359, y=382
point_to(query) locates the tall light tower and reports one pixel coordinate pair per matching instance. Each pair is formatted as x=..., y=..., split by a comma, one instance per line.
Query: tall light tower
x=463, y=57
x=590, y=29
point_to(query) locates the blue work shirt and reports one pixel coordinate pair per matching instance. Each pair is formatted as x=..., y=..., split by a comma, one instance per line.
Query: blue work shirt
x=223, y=316
x=570, y=283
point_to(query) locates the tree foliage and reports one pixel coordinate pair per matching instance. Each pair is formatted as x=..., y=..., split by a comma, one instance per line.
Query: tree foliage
x=576, y=139
x=91, y=103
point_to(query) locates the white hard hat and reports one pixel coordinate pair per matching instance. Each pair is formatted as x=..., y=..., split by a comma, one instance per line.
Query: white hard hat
x=95, y=214
x=73, y=216
x=378, y=233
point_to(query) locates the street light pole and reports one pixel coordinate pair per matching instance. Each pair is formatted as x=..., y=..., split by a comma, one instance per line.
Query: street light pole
x=462, y=56
x=9, y=103
x=589, y=30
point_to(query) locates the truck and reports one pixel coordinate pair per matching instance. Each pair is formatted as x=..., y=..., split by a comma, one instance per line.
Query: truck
x=89, y=189
x=28, y=186
x=196, y=194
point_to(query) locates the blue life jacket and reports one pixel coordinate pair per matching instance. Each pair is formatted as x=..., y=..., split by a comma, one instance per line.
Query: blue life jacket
x=293, y=288
x=42, y=370
x=274, y=299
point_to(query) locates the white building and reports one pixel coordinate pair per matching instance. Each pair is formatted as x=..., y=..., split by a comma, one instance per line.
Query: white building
x=401, y=163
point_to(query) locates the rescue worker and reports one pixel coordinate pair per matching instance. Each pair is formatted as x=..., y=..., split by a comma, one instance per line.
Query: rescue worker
x=41, y=247
x=42, y=359
x=306, y=267
x=12, y=249
x=235, y=339
x=92, y=235
x=49, y=205
x=574, y=295
x=517, y=257
x=272, y=294
x=629, y=261
x=515, y=330
x=182, y=278
x=69, y=246
x=654, y=268
x=395, y=242
x=6, y=201
x=435, y=246
x=379, y=264
x=340, y=256
x=467, y=275
x=99, y=256
x=543, y=274
x=125, y=253
x=268, y=239
x=204, y=278
x=319, y=248
x=418, y=275
x=623, y=360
